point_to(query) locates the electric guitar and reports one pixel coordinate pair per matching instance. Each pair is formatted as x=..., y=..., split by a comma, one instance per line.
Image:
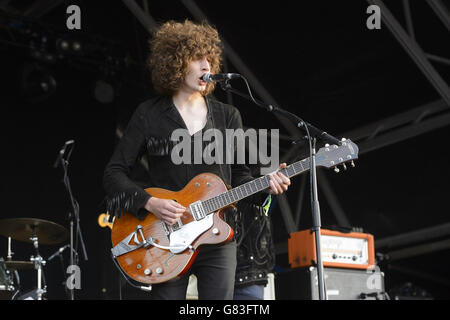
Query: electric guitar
x=150, y=251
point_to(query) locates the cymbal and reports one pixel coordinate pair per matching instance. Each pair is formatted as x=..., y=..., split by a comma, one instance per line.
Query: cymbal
x=22, y=229
x=19, y=265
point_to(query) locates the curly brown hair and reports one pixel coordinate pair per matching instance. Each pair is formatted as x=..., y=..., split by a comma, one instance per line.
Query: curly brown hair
x=174, y=45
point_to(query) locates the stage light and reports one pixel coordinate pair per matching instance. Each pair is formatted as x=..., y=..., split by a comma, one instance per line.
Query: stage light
x=37, y=83
x=64, y=45
x=103, y=92
x=69, y=46
x=76, y=46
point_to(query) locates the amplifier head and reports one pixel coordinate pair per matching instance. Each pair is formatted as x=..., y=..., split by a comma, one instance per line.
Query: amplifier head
x=342, y=250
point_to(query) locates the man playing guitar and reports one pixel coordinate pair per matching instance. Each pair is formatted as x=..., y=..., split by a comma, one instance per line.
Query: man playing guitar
x=180, y=55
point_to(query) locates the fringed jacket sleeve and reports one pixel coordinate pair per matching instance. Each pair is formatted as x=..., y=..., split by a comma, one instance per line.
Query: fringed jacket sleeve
x=121, y=192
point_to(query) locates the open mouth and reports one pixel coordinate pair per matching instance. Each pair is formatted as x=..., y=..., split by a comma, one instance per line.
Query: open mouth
x=201, y=81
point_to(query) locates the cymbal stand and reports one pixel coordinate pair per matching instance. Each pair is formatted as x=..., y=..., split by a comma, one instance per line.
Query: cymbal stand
x=38, y=263
x=10, y=253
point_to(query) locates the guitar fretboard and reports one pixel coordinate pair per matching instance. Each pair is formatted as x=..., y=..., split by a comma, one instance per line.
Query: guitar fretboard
x=247, y=189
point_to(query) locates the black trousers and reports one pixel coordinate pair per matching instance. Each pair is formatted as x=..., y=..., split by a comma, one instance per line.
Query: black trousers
x=214, y=267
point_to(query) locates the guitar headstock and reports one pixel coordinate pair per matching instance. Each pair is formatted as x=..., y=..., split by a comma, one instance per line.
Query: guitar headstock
x=103, y=220
x=330, y=156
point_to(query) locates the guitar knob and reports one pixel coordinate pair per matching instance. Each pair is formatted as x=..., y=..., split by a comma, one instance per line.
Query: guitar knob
x=215, y=231
x=336, y=169
x=159, y=270
x=147, y=272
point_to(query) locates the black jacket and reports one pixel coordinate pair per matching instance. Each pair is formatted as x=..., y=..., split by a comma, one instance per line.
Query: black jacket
x=148, y=132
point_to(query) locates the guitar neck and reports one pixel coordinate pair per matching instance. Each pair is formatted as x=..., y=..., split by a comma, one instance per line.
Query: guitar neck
x=250, y=188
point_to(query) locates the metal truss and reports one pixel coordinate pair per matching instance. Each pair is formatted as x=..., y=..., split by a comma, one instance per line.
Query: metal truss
x=400, y=127
x=414, y=237
x=413, y=244
x=411, y=123
x=411, y=46
x=35, y=9
x=142, y=15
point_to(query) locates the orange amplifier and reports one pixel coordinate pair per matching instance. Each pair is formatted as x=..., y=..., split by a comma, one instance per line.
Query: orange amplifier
x=352, y=250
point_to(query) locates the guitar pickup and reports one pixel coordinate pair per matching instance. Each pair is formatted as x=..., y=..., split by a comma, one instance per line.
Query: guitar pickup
x=197, y=210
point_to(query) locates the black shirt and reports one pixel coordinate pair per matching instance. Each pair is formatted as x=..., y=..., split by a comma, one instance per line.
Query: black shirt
x=148, y=132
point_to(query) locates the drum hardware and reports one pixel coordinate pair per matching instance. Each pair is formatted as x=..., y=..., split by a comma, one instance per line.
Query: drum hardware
x=35, y=231
x=18, y=265
x=7, y=289
x=38, y=263
x=10, y=253
x=6, y=283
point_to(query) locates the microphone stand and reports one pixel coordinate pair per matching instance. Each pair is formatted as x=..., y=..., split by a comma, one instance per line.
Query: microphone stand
x=313, y=133
x=72, y=216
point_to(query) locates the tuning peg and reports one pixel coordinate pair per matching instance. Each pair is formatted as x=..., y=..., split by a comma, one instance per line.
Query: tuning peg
x=353, y=164
x=336, y=169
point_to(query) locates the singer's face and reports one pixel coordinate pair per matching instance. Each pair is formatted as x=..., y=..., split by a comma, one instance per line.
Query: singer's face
x=196, y=69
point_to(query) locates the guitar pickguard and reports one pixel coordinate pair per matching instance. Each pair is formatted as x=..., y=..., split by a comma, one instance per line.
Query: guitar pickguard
x=182, y=238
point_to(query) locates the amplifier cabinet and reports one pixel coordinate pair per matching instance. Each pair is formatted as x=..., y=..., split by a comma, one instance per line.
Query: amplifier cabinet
x=352, y=250
x=340, y=284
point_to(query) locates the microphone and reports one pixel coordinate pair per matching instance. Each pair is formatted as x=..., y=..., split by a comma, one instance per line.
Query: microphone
x=209, y=77
x=58, y=252
x=62, y=152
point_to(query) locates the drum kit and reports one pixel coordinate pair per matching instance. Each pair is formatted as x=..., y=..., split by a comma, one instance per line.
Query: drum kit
x=34, y=231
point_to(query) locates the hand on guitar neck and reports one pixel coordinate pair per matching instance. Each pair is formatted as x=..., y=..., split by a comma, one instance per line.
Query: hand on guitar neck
x=279, y=183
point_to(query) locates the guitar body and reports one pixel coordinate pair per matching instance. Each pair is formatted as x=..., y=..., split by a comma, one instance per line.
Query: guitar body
x=155, y=265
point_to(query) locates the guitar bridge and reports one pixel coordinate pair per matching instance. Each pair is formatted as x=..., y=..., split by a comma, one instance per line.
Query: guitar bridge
x=197, y=210
x=169, y=229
